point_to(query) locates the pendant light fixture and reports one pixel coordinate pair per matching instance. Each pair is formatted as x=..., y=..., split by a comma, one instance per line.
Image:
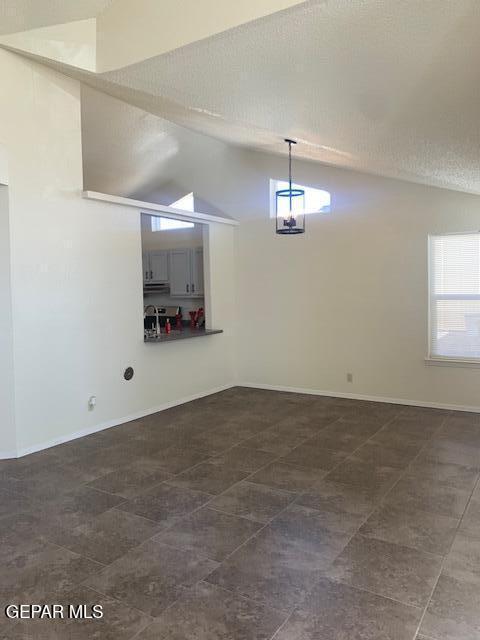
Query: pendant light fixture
x=290, y=203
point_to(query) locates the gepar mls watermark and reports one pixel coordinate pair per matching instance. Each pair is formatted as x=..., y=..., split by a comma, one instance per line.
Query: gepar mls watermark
x=54, y=611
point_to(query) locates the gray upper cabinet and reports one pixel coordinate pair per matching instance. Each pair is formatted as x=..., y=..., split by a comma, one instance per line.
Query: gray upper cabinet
x=186, y=273
x=180, y=281
x=146, y=266
x=155, y=267
x=159, y=266
x=196, y=257
x=181, y=268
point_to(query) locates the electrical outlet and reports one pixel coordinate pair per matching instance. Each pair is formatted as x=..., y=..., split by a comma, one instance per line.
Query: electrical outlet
x=349, y=377
x=92, y=401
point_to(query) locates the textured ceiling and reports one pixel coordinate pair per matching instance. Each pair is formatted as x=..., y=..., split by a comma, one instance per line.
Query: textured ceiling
x=131, y=153
x=20, y=15
x=384, y=86
x=389, y=86
x=125, y=149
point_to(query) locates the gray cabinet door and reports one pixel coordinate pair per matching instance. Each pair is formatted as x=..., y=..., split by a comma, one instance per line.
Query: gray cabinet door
x=158, y=266
x=180, y=280
x=197, y=272
x=146, y=267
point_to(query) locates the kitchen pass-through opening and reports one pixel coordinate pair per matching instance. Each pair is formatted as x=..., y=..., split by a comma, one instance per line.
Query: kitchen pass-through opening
x=173, y=276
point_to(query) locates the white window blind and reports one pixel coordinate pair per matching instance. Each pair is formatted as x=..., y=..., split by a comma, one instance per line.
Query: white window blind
x=455, y=296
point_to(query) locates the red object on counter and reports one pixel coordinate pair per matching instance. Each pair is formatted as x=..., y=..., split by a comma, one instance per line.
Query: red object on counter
x=168, y=327
x=196, y=318
x=178, y=322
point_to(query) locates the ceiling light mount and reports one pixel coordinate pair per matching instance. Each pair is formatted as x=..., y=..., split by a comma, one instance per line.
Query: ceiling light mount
x=290, y=203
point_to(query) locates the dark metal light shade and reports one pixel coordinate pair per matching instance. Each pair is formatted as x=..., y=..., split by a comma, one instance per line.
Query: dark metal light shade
x=290, y=211
x=290, y=204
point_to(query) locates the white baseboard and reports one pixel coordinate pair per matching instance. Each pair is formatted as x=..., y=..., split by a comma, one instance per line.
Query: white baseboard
x=358, y=396
x=167, y=405
x=110, y=423
x=6, y=455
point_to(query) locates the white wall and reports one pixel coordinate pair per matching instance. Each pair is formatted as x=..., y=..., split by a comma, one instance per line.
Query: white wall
x=7, y=390
x=76, y=280
x=351, y=295
x=131, y=153
x=355, y=285
x=3, y=165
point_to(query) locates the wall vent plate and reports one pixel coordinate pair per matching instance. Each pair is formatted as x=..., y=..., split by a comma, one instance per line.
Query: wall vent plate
x=128, y=373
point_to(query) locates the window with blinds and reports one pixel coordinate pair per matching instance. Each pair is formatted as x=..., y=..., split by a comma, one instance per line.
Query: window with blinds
x=455, y=296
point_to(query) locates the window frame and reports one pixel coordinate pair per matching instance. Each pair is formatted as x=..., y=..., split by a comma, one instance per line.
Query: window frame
x=433, y=359
x=177, y=226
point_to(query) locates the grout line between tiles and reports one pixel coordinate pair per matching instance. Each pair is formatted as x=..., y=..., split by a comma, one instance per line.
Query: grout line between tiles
x=446, y=555
x=376, y=506
x=131, y=606
x=284, y=624
x=195, y=551
x=348, y=541
x=258, y=532
x=296, y=495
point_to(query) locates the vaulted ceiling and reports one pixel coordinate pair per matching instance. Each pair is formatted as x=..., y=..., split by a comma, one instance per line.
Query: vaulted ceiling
x=389, y=87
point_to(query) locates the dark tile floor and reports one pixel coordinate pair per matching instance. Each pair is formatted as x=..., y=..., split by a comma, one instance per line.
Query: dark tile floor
x=252, y=515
